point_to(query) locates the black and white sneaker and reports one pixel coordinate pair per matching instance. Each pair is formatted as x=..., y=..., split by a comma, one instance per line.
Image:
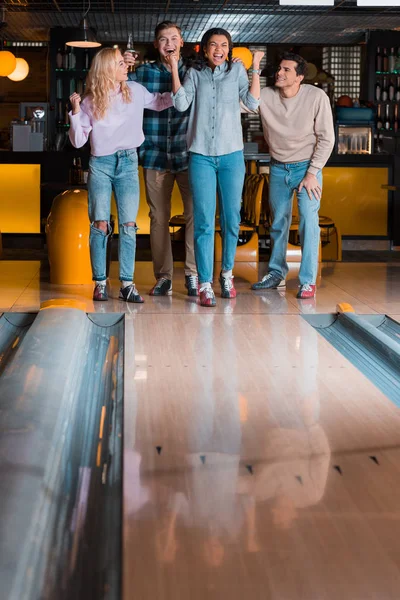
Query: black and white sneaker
x=130, y=294
x=192, y=285
x=163, y=287
x=269, y=282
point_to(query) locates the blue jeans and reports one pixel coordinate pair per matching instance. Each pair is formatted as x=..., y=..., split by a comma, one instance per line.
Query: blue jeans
x=116, y=172
x=284, y=180
x=207, y=176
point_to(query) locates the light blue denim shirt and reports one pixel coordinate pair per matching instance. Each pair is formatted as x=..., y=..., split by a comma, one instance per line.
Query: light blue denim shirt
x=214, y=124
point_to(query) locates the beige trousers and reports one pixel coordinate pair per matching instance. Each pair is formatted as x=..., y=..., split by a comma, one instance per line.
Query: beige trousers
x=159, y=185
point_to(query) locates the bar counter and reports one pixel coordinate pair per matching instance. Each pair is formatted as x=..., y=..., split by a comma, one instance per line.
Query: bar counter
x=353, y=195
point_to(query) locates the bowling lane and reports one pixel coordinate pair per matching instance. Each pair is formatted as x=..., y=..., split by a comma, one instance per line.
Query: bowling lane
x=258, y=463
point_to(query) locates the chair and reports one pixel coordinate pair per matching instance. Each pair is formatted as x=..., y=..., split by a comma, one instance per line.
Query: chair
x=177, y=222
x=331, y=239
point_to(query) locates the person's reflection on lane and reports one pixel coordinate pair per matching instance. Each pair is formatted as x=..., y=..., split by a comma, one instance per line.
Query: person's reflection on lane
x=196, y=505
x=293, y=460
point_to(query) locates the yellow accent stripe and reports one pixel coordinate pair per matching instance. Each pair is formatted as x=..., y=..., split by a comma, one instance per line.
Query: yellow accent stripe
x=98, y=460
x=103, y=416
x=344, y=307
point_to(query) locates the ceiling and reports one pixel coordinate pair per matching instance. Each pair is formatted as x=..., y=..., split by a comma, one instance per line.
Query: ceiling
x=249, y=21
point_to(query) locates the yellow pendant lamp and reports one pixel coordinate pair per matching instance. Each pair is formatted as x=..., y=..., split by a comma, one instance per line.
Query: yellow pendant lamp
x=8, y=62
x=21, y=70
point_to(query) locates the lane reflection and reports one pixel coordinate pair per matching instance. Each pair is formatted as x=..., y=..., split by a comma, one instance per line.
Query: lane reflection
x=243, y=455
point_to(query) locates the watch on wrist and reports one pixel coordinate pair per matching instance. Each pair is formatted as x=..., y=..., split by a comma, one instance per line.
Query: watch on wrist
x=255, y=71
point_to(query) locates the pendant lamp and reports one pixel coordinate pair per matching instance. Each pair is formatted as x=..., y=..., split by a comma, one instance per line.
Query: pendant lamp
x=83, y=36
x=8, y=62
x=20, y=71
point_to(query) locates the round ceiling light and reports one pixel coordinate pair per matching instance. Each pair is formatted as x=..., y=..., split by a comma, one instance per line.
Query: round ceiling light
x=20, y=71
x=8, y=62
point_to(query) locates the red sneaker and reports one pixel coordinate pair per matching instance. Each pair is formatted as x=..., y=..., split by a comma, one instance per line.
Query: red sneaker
x=100, y=292
x=307, y=290
x=227, y=287
x=207, y=297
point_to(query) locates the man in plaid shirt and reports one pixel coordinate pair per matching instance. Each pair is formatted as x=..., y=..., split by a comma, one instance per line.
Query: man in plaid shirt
x=164, y=158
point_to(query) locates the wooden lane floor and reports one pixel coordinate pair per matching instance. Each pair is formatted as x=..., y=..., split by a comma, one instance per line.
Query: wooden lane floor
x=259, y=463
x=370, y=288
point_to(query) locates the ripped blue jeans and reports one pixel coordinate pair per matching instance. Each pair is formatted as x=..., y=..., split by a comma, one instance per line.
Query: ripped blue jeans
x=116, y=172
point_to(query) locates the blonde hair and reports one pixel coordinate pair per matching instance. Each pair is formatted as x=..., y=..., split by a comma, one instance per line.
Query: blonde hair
x=101, y=82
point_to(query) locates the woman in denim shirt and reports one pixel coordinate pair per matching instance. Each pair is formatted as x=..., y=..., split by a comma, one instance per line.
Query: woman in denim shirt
x=213, y=89
x=112, y=113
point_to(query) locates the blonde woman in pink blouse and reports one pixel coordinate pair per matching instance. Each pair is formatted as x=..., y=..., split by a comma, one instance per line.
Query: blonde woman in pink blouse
x=111, y=116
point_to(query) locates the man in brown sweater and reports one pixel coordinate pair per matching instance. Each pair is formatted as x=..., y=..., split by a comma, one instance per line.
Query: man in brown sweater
x=298, y=127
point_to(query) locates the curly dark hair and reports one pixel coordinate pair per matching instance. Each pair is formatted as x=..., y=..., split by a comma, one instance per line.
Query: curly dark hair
x=301, y=63
x=201, y=63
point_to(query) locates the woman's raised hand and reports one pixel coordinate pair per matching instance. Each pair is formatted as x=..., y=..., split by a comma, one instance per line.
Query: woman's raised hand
x=75, y=100
x=257, y=56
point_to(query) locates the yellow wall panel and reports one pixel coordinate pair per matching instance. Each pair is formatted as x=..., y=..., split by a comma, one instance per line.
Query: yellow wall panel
x=353, y=198
x=20, y=198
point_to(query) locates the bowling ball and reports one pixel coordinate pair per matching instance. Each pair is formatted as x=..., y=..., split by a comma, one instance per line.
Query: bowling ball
x=344, y=101
x=245, y=56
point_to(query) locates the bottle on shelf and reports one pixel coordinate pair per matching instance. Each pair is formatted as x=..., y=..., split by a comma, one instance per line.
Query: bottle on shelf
x=76, y=172
x=66, y=115
x=72, y=86
x=397, y=62
x=72, y=59
x=391, y=91
x=73, y=172
x=397, y=90
x=79, y=87
x=378, y=121
x=378, y=142
x=391, y=61
x=59, y=88
x=378, y=60
x=385, y=90
x=60, y=111
x=378, y=91
x=387, y=124
x=385, y=61
x=131, y=49
x=396, y=118
x=86, y=60
x=59, y=59
x=65, y=63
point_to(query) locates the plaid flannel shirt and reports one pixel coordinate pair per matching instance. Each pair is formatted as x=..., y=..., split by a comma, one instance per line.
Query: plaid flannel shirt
x=164, y=148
